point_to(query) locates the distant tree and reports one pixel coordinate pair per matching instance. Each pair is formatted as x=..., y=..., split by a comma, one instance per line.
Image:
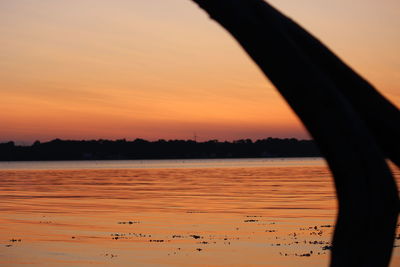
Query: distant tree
x=36, y=143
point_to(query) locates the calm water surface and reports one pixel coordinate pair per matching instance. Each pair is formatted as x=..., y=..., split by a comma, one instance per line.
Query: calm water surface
x=240, y=212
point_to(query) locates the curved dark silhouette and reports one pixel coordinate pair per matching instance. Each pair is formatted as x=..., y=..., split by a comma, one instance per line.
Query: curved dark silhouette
x=354, y=126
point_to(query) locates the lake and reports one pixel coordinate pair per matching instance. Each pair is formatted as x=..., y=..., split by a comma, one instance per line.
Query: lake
x=156, y=213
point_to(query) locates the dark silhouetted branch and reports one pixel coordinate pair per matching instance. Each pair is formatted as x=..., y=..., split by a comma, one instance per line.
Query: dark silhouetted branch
x=353, y=125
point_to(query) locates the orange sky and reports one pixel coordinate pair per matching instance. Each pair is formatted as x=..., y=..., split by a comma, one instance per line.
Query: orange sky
x=161, y=69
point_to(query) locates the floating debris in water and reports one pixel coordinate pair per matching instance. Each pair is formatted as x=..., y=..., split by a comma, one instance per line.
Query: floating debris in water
x=318, y=242
x=118, y=236
x=129, y=222
x=252, y=220
x=110, y=255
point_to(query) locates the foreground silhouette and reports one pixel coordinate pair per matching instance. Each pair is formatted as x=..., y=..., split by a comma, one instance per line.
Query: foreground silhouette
x=353, y=125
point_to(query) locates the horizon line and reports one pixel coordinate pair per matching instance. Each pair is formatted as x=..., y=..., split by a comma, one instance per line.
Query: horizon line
x=30, y=143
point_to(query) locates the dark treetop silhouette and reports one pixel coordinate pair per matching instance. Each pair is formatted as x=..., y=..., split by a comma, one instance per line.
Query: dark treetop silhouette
x=353, y=125
x=172, y=149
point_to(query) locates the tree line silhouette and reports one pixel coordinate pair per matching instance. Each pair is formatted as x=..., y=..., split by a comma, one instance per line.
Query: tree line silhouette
x=162, y=149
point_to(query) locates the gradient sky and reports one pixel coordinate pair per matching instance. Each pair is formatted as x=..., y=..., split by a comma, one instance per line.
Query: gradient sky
x=153, y=69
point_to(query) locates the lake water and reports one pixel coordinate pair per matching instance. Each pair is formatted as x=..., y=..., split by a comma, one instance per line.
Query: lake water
x=153, y=213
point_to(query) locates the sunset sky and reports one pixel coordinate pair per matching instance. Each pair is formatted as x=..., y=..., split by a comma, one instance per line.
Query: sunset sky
x=154, y=69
